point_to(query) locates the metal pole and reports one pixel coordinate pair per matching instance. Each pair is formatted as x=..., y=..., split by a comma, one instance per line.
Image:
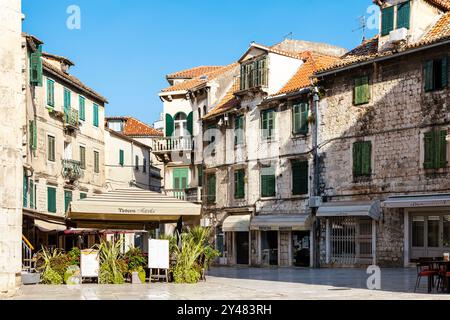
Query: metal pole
x=316, y=226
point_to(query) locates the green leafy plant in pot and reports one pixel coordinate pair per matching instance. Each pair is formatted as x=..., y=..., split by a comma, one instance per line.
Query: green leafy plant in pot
x=136, y=263
x=112, y=266
x=46, y=263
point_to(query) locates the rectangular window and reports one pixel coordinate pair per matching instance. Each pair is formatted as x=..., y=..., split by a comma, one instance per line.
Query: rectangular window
x=96, y=162
x=83, y=195
x=36, y=70
x=33, y=135
x=362, y=159
x=239, y=131
x=361, y=90
x=136, y=163
x=435, y=145
x=211, y=188
x=254, y=74
x=51, y=199
x=144, y=166
x=418, y=231
x=121, y=158
x=403, y=15
x=387, y=20
x=239, y=184
x=51, y=93
x=83, y=157
x=51, y=148
x=82, y=110
x=268, y=124
x=268, y=188
x=67, y=200
x=436, y=74
x=25, y=190
x=96, y=120
x=200, y=175
x=300, y=114
x=300, y=177
x=67, y=100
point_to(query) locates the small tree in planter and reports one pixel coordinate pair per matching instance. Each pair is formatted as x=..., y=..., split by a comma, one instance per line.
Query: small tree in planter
x=136, y=264
x=112, y=266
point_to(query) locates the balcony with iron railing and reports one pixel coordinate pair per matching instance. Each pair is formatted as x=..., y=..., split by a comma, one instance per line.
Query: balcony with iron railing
x=170, y=144
x=71, y=170
x=193, y=195
x=252, y=80
x=71, y=118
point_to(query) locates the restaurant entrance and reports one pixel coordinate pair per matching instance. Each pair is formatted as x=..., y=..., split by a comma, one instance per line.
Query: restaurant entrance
x=242, y=248
x=430, y=234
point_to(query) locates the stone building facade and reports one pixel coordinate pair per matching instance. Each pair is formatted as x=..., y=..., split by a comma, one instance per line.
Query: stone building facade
x=383, y=132
x=11, y=135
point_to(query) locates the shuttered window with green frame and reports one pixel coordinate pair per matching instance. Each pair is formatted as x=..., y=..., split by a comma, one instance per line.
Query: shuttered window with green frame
x=362, y=159
x=67, y=100
x=435, y=74
x=51, y=148
x=300, y=177
x=170, y=124
x=361, y=90
x=33, y=134
x=83, y=195
x=83, y=157
x=211, y=188
x=51, y=199
x=25, y=190
x=300, y=114
x=96, y=115
x=121, y=158
x=268, y=182
x=36, y=69
x=387, y=20
x=50, y=93
x=67, y=199
x=239, y=130
x=82, y=108
x=239, y=184
x=268, y=124
x=96, y=162
x=403, y=15
x=435, y=149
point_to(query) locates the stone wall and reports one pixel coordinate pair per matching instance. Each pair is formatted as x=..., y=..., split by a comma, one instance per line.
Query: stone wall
x=11, y=135
x=390, y=246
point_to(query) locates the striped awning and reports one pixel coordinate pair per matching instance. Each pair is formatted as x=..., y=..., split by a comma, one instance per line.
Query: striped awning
x=129, y=208
x=350, y=209
x=281, y=222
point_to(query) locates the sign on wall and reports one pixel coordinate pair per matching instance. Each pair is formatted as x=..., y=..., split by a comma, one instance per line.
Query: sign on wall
x=158, y=254
x=90, y=263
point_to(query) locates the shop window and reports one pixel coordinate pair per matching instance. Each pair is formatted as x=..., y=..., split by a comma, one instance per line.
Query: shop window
x=269, y=248
x=418, y=229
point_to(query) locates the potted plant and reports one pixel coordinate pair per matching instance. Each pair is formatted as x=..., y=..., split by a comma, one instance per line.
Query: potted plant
x=111, y=263
x=136, y=263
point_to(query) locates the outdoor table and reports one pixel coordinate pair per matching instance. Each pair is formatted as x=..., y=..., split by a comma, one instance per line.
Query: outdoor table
x=446, y=265
x=432, y=266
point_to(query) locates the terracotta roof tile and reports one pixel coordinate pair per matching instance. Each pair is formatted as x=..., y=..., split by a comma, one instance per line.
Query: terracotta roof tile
x=193, y=72
x=134, y=127
x=200, y=80
x=73, y=80
x=302, y=78
x=442, y=4
x=228, y=102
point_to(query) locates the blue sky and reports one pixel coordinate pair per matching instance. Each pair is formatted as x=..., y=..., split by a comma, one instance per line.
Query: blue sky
x=124, y=49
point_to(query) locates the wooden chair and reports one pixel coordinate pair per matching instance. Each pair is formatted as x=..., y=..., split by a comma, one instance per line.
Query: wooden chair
x=425, y=269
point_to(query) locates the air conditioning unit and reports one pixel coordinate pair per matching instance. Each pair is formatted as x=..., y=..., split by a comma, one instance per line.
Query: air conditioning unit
x=398, y=35
x=315, y=202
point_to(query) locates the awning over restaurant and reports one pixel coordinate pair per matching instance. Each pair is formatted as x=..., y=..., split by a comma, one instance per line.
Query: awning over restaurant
x=351, y=209
x=418, y=201
x=281, y=222
x=49, y=227
x=130, y=208
x=236, y=223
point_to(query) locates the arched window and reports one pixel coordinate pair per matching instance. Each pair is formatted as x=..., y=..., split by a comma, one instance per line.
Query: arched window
x=180, y=120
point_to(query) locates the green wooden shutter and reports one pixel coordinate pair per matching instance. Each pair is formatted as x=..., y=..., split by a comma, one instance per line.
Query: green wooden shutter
x=366, y=157
x=25, y=190
x=96, y=116
x=211, y=188
x=200, y=175
x=403, y=15
x=51, y=148
x=190, y=123
x=387, y=20
x=83, y=195
x=442, y=153
x=51, y=199
x=36, y=73
x=33, y=134
x=300, y=177
x=32, y=206
x=83, y=157
x=67, y=200
x=239, y=130
x=271, y=123
x=121, y=158
x=304, y=114
x=361, y=90
x=428, y=75
x=96, y=162
x=358, y=91
x=67, y=102
x=444, y=78
x=169, y=125
x=296, y=118
x=268, y=181
x=357, y=163
x=239, y=184
x=82, y=110
x=429, y=150
x=50, y=93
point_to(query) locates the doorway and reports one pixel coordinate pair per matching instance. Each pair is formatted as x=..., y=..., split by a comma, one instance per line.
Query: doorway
x=242, y=248
x=269, y=248
x=300, y=248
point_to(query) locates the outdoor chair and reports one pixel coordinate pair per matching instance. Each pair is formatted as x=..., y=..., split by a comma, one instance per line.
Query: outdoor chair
x=424, y=269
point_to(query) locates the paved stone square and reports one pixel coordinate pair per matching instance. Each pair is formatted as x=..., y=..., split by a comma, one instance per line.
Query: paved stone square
x=249, y=284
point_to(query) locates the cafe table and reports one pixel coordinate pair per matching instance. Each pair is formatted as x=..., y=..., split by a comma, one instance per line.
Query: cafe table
x=441, y=266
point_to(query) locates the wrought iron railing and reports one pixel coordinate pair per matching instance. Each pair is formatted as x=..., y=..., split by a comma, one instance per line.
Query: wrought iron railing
x=72, y=170
x=173, y=144
x=193, y=195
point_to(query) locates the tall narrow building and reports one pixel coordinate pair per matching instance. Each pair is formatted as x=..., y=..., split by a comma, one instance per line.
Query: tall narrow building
x=11, y=100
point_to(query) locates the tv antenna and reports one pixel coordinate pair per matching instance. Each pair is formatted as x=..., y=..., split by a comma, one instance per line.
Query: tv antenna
x=362, y=27
x=288, y=36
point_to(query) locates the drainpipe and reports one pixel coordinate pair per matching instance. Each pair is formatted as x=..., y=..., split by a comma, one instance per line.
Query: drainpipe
x=315, y=189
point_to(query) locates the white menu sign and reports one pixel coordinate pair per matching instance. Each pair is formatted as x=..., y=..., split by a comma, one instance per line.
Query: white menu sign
x=90, y=263
x=158, y=254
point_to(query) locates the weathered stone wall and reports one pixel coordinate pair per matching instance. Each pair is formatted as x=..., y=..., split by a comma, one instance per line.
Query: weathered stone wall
x=11, y=166
x=395, y=120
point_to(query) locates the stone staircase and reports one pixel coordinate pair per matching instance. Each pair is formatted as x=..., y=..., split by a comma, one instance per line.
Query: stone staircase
x=29, y=273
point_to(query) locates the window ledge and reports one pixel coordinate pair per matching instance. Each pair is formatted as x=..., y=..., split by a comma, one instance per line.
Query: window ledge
x=268, y=198
x=362, y=179
x=435, y=172
x=300, y=136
